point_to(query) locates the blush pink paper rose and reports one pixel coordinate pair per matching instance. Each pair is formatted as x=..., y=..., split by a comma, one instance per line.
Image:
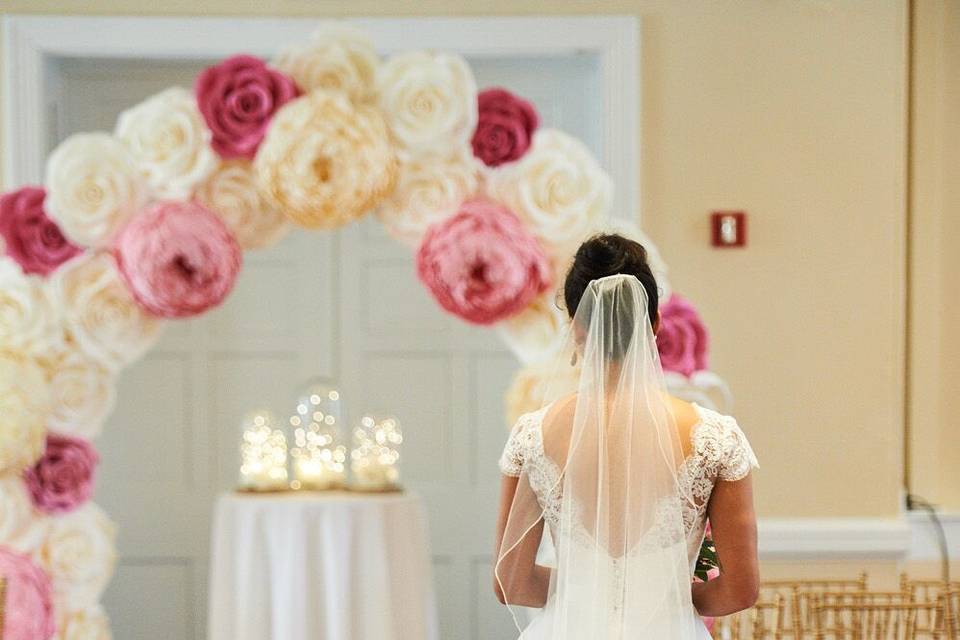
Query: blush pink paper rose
x=238, y=98
x=682, y=340
x=28, y=614
x=178, y=259
x=62, y=479
x=30, y=236
x=505, y=127
x=481, y=264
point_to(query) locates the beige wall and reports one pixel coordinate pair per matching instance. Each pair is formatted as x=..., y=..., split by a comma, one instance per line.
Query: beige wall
x=795, y=112
x=934, y=455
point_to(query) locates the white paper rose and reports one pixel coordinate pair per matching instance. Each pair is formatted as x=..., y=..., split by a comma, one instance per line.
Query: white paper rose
x=99, y=312
x=557, y=189
x=21, y=528
x=83, y=392
x=337, y=58
x=231, y=192
x=428, y=190
x=30, y=323
x=93, y=187
x=91, y=623
x=538, y=332
x=24, y=409
x=78, y=554
x=532, y=384
x=169, y=141
x=429, y=101
x=326, y=161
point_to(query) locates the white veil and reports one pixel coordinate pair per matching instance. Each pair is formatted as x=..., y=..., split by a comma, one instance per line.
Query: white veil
x=621, y=568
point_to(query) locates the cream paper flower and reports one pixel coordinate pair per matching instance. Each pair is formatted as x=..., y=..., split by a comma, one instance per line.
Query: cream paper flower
x=536, y=333
x=429, y=101
x=30, y=322
x=21, y=528
x=169, y=141
x=84, y=624
x=428, y=190
x=231, y=192
x=24, y=408
x=338, y=58
x=83, y=392
x=100, y=314
x=530, y=386
x=93, y=187
x=78, y=554
x=557, y=189
x=325, y=161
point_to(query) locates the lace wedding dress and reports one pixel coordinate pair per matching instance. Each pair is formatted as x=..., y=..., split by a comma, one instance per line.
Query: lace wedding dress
x=720, y=451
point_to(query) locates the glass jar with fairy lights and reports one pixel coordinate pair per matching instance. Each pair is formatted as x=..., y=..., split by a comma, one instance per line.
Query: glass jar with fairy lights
x=263, y=453
x=375, y=458
x=316, y=448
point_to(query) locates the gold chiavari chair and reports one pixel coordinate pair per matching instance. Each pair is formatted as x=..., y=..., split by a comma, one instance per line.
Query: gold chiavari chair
x=797, y=616
x=759, y=622
x=864, y=621
x=3, y=603
x=950, y=601
x=928, y=591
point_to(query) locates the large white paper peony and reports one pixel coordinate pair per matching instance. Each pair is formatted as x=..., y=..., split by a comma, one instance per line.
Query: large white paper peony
x=429, y=101
x=231, y=192
x=337, y=58
x=82, y=391
x=99, y=312
x=169, y=141
x=30, y=322
x=557, y=189
x=428, y=190
x=538, y=332
x=20, y=528
x=83, y=624
x=24, y=408
x=326, y=161
x=93, y=187
x=78, y=555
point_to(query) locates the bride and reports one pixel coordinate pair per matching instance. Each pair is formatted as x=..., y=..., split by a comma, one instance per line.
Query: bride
x=607, y=488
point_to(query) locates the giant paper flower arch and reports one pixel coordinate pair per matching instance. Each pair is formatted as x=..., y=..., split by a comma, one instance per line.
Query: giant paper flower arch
x=148, y=223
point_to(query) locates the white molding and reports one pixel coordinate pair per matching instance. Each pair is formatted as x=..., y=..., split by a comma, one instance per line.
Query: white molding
x=834, y=538
x=923, y=543
x=31, y=42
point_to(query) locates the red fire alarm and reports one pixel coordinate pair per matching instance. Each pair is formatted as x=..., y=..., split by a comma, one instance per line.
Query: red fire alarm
x=729, y=228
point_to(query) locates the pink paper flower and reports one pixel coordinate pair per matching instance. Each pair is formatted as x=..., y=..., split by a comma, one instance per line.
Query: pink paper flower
x=178, y=259
x=30, y=236
x=682, y=339
x=237, y=98
x=481, y=264
x=505, y=127
x=62, y=479
x=29, y=601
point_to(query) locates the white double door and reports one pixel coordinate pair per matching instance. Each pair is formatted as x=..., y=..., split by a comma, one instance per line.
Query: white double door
x=345, y=307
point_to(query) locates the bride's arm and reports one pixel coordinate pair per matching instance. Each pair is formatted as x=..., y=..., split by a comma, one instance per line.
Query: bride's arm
x=518, y=580
x=734, y=526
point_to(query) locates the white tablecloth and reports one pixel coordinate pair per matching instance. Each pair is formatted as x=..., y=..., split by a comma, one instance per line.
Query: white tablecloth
x=334, y=566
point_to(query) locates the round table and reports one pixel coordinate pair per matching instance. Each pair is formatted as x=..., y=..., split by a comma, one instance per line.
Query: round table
x=321, y=566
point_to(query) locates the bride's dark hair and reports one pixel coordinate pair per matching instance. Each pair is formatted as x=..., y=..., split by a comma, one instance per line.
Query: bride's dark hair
x=606, y=255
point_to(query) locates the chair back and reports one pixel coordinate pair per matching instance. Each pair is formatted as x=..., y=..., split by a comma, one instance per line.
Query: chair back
x=797, y=615
x=867, y=621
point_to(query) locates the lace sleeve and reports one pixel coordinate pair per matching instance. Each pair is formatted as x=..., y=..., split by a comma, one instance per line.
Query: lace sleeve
x=737, y=458
x=514, y=453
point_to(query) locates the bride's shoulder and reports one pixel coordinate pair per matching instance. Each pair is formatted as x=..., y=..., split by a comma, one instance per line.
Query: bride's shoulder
x=720, y=441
